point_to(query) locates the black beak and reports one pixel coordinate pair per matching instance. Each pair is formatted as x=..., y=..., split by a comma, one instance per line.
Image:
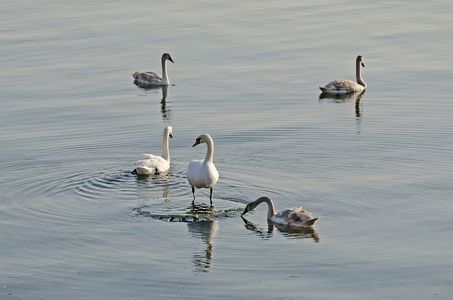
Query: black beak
x=363, y=65
x=171, y=59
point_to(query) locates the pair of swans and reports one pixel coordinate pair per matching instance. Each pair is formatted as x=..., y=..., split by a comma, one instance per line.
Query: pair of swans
x=200, y=173
x=334, y=87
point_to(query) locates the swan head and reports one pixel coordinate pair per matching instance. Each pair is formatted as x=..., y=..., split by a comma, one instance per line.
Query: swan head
x=202, y=138
x=169, y=131
x=251, y=206
x=360, y=60
x=167, y=56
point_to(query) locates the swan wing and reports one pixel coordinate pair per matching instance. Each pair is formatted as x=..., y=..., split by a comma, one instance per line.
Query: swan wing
x=193, y=172
x=341, y=86
x=147, y=77
x=202, y=175
x=294, y=215
x=289, y=215
x=153, y=164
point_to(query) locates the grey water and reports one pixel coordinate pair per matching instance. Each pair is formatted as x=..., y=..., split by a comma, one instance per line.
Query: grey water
x=76, y=224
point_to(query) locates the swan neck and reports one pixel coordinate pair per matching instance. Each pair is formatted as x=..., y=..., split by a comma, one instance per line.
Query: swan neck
x=166, y=150
x=270, y=206
x=164, y=71
x=210, y=153
x=358, y=73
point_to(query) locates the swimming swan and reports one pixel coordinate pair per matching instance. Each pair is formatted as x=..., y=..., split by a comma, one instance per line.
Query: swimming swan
x=151, y=78
x=296, y=217
x=203, y=173
x=347, y=86
x=154, y=164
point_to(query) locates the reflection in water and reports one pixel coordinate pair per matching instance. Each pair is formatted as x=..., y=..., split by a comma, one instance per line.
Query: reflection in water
x=205, y=231
x=164, y=110
x=339, y=98
x=144, y=181
x=166, y=116
x=298, y=233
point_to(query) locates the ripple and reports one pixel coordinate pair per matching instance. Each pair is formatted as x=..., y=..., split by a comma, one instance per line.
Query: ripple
x=97, y=186
x=172, y=212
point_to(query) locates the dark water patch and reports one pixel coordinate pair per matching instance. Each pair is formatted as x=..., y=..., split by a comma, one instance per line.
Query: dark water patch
x=193, y=213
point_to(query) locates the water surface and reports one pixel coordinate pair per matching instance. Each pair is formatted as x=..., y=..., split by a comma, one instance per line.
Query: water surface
x=377, y=170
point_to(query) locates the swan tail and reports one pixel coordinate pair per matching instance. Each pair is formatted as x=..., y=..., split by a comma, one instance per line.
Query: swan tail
x=144, y=171
x=312, y=221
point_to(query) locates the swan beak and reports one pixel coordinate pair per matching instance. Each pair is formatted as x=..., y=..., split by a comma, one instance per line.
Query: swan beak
x=363, y=65
x=169, y=58
x=196, y=143
x=170, y=135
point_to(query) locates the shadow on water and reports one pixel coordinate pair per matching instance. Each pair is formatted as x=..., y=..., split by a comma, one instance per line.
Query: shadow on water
x=164, y=110
x=340, y=98
x=298, y=233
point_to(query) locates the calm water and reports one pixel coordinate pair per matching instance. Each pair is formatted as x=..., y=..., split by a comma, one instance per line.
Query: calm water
x=378, y=170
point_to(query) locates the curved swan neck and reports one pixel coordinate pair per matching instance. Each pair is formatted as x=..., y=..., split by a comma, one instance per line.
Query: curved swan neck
x=270, y=206
x=358, y=73
x=166, y=150
x=210, y=153
x=165, y=78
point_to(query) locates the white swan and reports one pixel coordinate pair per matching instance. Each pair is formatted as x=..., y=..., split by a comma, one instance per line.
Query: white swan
x=154, y=164
x=347, y=86
x=296, y=217
x=203, y=173
x=151, y=78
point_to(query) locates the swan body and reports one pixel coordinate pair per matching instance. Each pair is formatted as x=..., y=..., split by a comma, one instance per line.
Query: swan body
x=152, y=78
x=203, y=173
x=296, y=217
x=154, y=164
x=347, y=86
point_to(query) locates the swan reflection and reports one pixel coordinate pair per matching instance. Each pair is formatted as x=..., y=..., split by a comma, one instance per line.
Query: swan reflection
x=147, y=182
x=298, y=233
x=340, y=98
x=205, y=231
x=164, y=110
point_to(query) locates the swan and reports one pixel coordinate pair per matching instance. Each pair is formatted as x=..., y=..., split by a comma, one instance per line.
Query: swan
x=151, y=78
x=296, y=217
x=203, y=173
x=154, y=164
x=347, y=86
